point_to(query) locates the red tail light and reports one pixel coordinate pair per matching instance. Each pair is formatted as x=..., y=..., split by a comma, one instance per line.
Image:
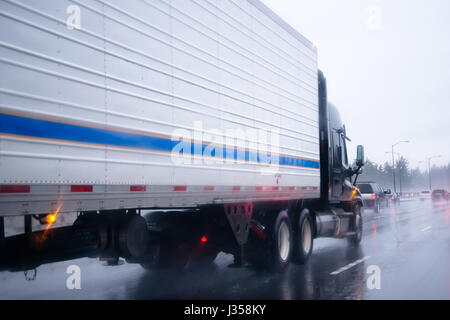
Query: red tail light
x=77, y=188
x=393, y=198
x=373, y=196
x=14, y=189
x=138, y=188
x=204, y=239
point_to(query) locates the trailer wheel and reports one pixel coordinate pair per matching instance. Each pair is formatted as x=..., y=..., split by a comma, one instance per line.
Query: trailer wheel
x=357, y=226
x=275, y=252
x=305, y=238
x=133, y=236
x=169, y=255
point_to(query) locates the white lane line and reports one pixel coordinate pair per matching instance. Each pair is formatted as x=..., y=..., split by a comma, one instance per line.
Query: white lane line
x=426, y=228
x=350, y=265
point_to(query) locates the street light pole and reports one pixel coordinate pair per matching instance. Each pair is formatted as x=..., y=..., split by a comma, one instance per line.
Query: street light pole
x=393, y=167
x=393, y=162
x=429, y=168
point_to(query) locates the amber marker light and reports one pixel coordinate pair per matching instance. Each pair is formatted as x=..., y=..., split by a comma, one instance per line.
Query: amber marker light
x=51, y=218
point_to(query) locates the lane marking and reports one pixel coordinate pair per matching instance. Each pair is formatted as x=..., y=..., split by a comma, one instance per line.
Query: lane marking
x=426, y=228
x=350, y=265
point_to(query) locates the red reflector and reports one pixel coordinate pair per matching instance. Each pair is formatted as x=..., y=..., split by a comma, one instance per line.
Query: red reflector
x=138, y=188
x=179, y=188
x=14, y=189
x=315, y=188
x=259, y=188
x=259, y=232
x=291, y=188
x=236, y=188
x=304, y=188
x=274, y=188
x=203, y=239
x=209, y=188
x=81, y=188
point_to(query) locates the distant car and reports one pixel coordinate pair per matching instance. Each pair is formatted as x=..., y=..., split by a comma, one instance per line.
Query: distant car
x=373, y=195
x=392, y=197
x=425, y=195
x=439, y=195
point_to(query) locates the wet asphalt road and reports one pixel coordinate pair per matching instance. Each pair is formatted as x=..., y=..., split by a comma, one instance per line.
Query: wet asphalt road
x=410, y=245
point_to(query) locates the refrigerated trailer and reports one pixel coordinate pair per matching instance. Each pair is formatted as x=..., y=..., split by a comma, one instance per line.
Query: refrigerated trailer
x=174, y=129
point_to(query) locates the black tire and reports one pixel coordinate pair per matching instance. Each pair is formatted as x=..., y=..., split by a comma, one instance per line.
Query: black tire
x=274, y=253
x=169, y=256
x=133, y=237
x=304, y=239
x=357, y=226
x=280, y=254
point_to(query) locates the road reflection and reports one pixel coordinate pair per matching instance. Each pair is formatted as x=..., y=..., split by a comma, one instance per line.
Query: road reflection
x=311, y=281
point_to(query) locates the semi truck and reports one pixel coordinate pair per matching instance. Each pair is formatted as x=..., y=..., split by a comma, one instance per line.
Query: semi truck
x=174, y=130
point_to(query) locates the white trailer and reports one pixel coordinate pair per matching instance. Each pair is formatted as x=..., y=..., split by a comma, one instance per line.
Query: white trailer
x=91, y=117
x=128, y=105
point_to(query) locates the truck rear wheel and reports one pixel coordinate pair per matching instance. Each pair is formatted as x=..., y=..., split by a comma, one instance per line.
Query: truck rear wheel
x=275, y=252
x=305, y=238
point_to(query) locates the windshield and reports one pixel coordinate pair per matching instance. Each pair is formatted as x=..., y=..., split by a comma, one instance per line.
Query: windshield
x=365, y=188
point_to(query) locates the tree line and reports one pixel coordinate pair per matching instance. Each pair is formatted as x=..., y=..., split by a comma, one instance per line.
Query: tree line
x=406, y=179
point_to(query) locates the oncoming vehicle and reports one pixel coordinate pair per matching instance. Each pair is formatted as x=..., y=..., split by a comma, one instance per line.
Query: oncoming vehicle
x=373, y=195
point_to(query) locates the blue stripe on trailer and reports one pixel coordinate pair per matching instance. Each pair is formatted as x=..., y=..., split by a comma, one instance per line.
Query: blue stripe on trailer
x=52, y=129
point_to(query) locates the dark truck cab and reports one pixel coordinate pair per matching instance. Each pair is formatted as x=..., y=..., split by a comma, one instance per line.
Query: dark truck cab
x=336, y=172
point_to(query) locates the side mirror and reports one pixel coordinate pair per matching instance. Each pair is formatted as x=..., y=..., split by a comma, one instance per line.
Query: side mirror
x=360, y=156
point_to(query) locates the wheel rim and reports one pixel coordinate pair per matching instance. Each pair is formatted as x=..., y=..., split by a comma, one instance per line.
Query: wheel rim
x=306, y=236
x=284, y=241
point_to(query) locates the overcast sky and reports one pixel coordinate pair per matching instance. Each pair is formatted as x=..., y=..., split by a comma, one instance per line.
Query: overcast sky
x=387, y=64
